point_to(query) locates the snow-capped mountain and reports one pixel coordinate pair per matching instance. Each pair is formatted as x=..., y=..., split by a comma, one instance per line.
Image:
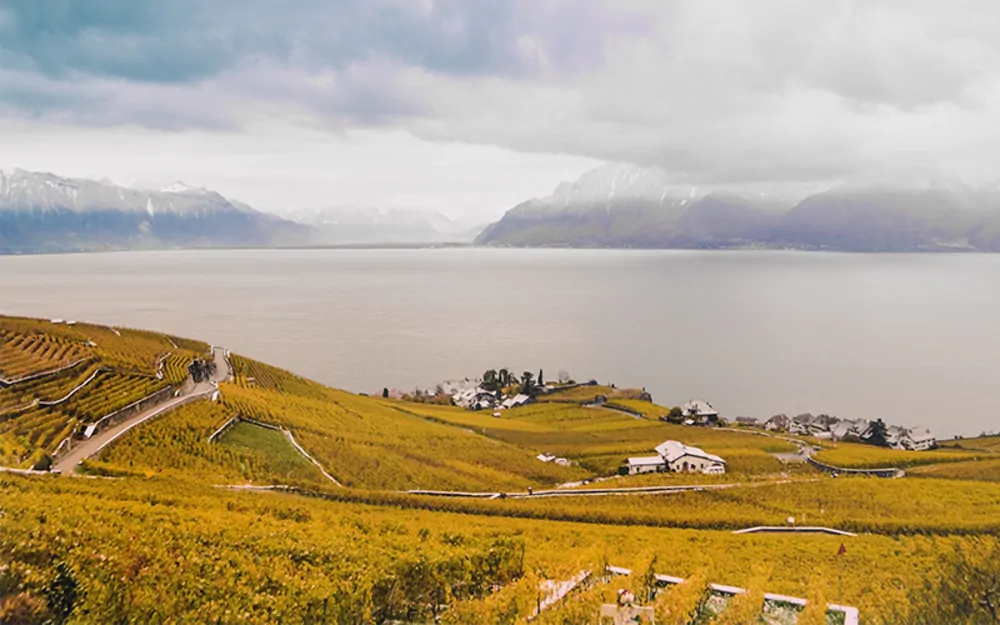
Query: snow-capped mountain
x=619, y=205
x=617, y=181
x=26, y=190
x=42, y=211
x=621, y=184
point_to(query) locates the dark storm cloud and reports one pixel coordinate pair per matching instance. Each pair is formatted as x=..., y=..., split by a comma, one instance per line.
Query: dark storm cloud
x=708, y=89
x=186, y=40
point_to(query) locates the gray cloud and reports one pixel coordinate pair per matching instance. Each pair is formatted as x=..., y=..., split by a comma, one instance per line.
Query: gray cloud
x=712, y=90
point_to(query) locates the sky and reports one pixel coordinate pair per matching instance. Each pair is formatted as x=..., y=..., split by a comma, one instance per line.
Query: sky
x=471, y=107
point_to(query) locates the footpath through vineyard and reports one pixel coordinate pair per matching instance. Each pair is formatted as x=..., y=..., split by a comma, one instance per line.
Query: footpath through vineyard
x=189, y=391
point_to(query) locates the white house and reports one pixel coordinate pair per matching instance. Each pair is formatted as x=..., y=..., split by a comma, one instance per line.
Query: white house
x=517, y=400
x=699, y=409
x=921, y=439
x=475, y=399
x=778, y=422
x=684, y=458
x=898, y=437
x=646, y=464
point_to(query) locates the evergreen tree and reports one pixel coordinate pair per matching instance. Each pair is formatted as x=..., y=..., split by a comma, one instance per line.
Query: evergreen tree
x=877, y=433
x=491, y=381
x=527, y=383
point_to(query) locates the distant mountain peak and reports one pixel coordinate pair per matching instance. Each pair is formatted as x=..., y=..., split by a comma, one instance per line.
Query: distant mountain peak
x=44, y=211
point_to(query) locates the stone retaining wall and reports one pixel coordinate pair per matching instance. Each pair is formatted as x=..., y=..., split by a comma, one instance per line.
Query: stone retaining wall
x=121, y=414
x=887, y=472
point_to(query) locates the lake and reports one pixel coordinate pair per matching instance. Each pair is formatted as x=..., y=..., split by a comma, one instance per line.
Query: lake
x=909, y=338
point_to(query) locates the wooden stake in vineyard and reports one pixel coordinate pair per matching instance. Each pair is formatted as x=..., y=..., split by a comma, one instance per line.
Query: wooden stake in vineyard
x=840, y=556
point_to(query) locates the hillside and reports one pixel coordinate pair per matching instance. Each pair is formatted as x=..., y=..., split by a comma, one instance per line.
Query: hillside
x=278, y=498
x=621, y=206
x=41, y=212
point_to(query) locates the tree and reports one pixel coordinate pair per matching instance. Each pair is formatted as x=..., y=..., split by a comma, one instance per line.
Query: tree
x=877, y=433
x=491, y=381
x=503, y=376
x=676, y=415
x=541, y=378
x=563, y=376
x=385, y=393
x=527, y=383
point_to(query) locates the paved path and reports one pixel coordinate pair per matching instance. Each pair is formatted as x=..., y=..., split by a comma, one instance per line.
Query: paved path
x=93, y=445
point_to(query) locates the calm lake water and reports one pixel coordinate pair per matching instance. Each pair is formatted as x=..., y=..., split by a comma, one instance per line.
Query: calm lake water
x=911, y=338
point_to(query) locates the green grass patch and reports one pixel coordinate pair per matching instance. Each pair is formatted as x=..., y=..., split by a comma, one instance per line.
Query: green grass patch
x=273, y=450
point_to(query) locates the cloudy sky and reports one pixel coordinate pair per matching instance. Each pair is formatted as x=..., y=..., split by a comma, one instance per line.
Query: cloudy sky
x=470, y=107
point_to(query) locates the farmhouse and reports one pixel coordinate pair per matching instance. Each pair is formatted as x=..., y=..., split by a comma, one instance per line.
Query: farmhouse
x=921, y=439
x=676, y=457
x=683, y=458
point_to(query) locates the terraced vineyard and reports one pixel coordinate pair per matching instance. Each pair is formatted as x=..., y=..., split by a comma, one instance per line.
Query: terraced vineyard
x=61, y=377
x=171, y=540
x=145, y=539
x=25, y=351
x=367, y=442
x=50, y=388
x=858, y=456
x=178, y=443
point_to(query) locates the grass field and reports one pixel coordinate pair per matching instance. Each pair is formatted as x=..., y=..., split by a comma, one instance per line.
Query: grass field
x=285, y=463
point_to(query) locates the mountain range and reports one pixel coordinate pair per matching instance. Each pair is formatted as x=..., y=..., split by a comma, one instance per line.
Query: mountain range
x=345, y=225
x=615, y=205
x=41, y=212
x=626, y=206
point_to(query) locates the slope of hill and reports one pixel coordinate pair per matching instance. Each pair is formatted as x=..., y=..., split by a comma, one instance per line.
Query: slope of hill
x=41, y=212
x=219, y=510
x=622, y=206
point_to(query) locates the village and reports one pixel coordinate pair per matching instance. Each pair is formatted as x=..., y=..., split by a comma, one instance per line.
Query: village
x=500, y=390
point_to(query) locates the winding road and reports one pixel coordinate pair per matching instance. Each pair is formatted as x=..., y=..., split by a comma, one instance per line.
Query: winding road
x=190, y=391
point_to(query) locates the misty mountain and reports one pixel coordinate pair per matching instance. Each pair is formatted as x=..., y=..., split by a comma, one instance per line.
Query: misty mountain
x=625, y=206
x=41, y=212
x=359, y=225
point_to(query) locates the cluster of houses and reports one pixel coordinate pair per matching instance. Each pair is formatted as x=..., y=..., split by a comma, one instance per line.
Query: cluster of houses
x=676, y=457
x=480, y=399
x=833, y=428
